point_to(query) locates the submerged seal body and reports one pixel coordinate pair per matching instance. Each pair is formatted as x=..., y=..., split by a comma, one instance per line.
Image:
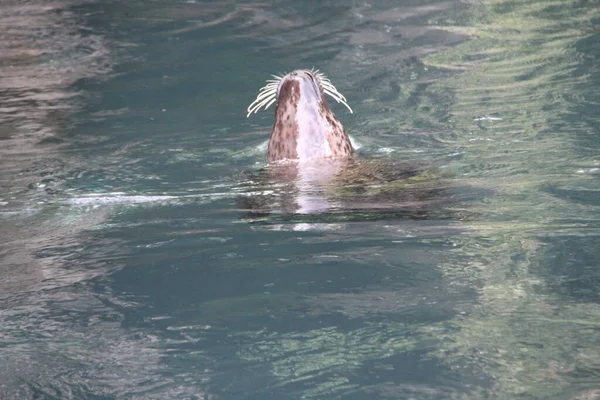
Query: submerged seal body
x=305, y=128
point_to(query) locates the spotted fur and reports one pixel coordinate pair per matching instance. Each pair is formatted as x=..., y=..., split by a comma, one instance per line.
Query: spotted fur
x=305, y=127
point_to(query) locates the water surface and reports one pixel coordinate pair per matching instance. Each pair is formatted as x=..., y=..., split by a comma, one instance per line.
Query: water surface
x=146, y=254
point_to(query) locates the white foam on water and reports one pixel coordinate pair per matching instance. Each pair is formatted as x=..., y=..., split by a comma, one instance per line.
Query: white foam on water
x=355, y=143
x=116, y=198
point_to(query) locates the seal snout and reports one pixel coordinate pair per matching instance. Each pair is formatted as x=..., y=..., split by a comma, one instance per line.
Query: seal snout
x=305, y=127
x=305, y=87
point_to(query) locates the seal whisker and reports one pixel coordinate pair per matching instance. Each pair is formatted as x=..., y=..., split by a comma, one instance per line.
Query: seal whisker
x=331, y=90
x=264, y=95
x=326, y=83
x=327, y=86
x=267, y=95
x=258, y=103
x=339, y=98
x=271, y=102
x=266, y=92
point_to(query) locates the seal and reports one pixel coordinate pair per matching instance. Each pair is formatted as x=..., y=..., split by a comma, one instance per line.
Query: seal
x=305, y=128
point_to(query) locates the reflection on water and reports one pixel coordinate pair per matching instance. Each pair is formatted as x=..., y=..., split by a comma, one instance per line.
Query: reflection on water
x=352, y=187
x=43, y=51
x=518, y=125
x=455, y=257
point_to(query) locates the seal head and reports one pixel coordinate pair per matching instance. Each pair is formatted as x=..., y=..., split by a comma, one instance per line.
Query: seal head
x=305, y=128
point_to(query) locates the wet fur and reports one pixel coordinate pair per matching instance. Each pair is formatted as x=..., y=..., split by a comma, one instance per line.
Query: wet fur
x=290, y=122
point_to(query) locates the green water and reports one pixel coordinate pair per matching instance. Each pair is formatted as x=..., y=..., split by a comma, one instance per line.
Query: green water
x=146, y=253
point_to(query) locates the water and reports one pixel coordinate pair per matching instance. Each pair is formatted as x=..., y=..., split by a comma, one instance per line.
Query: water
x=145, y=254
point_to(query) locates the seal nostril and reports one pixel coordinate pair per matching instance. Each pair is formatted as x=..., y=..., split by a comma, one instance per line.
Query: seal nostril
x=314, y=81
